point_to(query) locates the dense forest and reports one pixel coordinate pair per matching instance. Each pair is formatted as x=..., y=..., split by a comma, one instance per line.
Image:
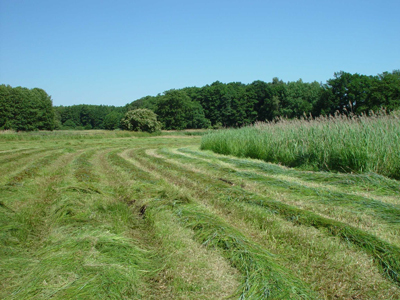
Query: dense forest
x=216, y=105
x=236, y=104
x=85, y=116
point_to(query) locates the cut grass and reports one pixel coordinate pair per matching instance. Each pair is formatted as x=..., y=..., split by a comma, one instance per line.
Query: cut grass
x=115, y=217
x=211, y=189
x=362, y=211
x=368, y=182
x=262, y=277
x=64, y=245
x=190, y=271
x=386, y=255
x=345, y=211
x=387, y=212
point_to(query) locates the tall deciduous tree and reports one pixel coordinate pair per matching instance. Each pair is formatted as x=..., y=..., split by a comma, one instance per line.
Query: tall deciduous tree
x=23, y=109
x=177, y=111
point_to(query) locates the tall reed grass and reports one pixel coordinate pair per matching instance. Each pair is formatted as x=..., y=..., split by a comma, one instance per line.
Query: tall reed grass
x=344, y=143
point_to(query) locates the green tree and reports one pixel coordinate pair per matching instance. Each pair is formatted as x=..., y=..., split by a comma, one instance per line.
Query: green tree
x=300, y=98
x=112, y=121
x=195, y=117
x=345, y=93
x=177, y=111
x=44, y=110
x=148, y=102
x=384, y=92
x=69, y=125
x=273, y=104
x=25, y=109
x=6, y=109
x=141, y=120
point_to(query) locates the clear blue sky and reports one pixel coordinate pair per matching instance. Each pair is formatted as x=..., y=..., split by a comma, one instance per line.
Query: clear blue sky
x=114, y=52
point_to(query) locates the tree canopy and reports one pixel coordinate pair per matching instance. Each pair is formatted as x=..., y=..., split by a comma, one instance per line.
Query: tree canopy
x=85, y=116
x=236, y=104
x=25, y=109
x=217, y=104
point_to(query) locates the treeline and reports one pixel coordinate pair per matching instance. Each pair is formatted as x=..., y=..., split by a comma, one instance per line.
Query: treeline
x=216, y=105
x=236, y=104
x=79, y=117
x=24, y=109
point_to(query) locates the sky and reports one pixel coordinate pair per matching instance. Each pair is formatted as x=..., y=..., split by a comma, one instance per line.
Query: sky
x=115, y=52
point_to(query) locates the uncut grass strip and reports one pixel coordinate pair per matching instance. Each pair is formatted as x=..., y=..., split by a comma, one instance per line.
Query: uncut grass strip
x=389, y=213
x=363, y=144
x=386, y=256
x=373, y=182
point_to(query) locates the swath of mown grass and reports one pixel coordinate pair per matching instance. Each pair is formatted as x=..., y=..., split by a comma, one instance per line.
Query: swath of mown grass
x=372, y=182
x=387, y=212
x=183, y=174
x=8, y=156
x=190, y=271
x=361, y=211
x=62, y=243
x=89, y=135
x=263, y=278
x=341, y=143
x=13, y=163
x=207, y=187
x=386, y=255
x=32, y=169
x=83, y=170
x=373, y=216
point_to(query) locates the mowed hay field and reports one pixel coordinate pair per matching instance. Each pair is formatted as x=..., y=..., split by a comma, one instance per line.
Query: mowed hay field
x=108, y=215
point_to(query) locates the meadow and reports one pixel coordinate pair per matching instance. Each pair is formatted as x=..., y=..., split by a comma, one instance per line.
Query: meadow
x=119, y=215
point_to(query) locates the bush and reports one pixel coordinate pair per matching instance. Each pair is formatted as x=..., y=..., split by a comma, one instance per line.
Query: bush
x=141, y=120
